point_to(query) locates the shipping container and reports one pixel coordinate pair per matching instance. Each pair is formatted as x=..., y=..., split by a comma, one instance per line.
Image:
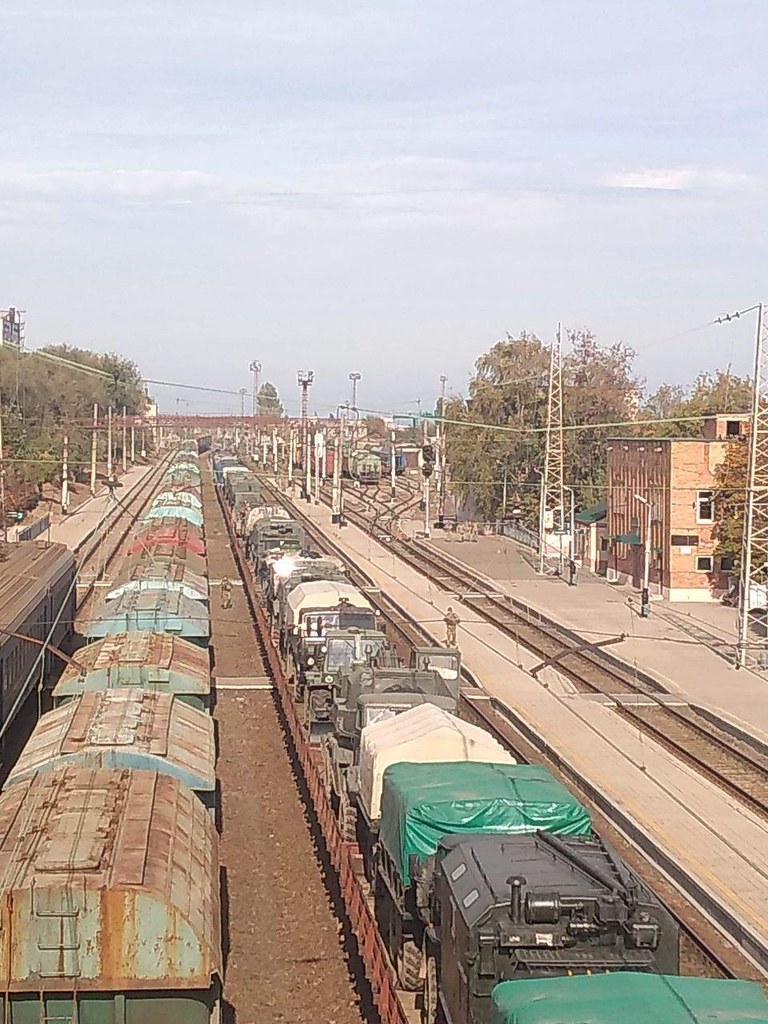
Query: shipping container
x=126, y=728
x=153, y=661
x=158, y=610
x=181, y=497
x=110, y=888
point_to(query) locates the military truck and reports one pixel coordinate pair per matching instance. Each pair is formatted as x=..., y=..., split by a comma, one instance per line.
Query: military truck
x=511, y=907
x=310, y=610
x=270, y=529
x=368, y=693
x=421, y=803
x=418, y=728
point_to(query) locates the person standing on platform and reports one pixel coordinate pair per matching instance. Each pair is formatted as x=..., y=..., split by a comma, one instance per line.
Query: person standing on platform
x=226, y=592
x=451, y=621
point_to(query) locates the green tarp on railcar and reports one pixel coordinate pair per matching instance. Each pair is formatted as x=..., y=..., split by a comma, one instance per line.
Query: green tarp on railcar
x=422, y=802
x=628, y=998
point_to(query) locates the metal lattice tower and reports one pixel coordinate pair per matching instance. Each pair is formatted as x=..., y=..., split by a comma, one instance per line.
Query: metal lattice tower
x=754, y=557
x=305, y=379
x=552, y=502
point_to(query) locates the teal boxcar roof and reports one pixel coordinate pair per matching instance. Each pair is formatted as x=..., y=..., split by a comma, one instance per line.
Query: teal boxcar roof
x=129, y=728
x=164, y=511
x=174, y=497
x=628, y=998
x=153, y=661
x=421, y=803
x=166, y=611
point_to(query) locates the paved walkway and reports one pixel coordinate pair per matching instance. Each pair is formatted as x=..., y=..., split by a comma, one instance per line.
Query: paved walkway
x=80, y=524
x=688, y=649
x=722, y=846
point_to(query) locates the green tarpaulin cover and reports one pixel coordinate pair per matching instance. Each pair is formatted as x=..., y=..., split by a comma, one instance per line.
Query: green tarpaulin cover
x=630, y=999
x=420, y=803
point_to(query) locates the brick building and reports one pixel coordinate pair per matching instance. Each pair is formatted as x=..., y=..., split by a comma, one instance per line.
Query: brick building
x=676, y=477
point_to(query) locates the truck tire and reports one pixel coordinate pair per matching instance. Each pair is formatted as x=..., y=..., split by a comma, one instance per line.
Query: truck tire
x=431, y=1010
x=347, y=821
x=409, y=966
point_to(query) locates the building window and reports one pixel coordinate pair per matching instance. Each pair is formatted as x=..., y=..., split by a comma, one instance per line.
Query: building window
x=732, y=428
x=684, y=540
x=704, y=563
x=726, y=563
x=705, y=507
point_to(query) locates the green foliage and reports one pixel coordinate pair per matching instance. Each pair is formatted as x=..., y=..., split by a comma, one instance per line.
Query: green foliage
x=730, y=502
x=269, y=401
x=41, y=398
x=719, y=392
x=510, y=389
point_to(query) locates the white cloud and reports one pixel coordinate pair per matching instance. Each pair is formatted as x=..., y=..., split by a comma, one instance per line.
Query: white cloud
x=682, y=179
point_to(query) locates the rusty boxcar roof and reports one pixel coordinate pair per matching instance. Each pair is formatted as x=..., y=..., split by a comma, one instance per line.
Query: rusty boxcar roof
x=169, y=531
x=167, y=554
x=153, y=661
x=159, y=575
x=109, y=880
x=29, y=567
x=165, y=611
x=129, y=728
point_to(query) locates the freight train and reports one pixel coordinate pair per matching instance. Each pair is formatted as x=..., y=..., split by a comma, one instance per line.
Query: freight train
x=108, y=847
x=494, y=896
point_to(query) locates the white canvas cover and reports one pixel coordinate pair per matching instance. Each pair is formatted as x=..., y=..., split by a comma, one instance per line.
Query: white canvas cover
x=264, y=512
x=322, y=594
x=423, y=734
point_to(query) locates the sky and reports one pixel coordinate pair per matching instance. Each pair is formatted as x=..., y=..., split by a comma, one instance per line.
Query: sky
x=383, y=187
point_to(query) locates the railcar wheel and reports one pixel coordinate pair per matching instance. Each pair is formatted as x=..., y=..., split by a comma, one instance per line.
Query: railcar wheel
x=409, y=966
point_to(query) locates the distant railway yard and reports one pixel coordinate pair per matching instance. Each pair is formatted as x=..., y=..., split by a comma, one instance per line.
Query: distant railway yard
x=275, y=752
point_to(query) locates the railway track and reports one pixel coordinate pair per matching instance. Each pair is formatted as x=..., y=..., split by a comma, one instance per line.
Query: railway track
x=705, y=950
x=98, y=552
x=735, y=765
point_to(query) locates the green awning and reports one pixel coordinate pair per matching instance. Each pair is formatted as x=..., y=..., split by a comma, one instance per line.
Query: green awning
x=593, y=514
x=627, y=538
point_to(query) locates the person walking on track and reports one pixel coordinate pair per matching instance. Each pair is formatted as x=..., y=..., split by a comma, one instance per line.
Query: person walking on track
x=451, y=621
x=226, y=592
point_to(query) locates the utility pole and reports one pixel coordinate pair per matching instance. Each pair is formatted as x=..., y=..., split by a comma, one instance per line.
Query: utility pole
x=65, y=477
x=255, y=369
x=3, y=510
x=392, y=468
x=354, y=377
x=274, y=451
x=109, y=443
x=645, y=596
x=305, y=381
x=552, y=503
x=291, y=455
x=441, y=460
x=754, y=555
x=94, y=447
x=319, y=453
x=243, y=393
x=143, y=443
x=425, y=500
x=125, y=442
x=133, y=443
x=337, y=501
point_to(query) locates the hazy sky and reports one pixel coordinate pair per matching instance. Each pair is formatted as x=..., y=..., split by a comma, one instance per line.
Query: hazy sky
x=381, y=186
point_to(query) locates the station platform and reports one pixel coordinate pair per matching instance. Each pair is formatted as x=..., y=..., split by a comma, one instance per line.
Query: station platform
x=689, y=649
x=74, y=529
x=705, y=841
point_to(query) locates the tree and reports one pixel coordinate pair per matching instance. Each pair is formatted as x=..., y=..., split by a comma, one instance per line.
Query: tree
x=730, y=502
x=269, y=400
x=718, y=392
